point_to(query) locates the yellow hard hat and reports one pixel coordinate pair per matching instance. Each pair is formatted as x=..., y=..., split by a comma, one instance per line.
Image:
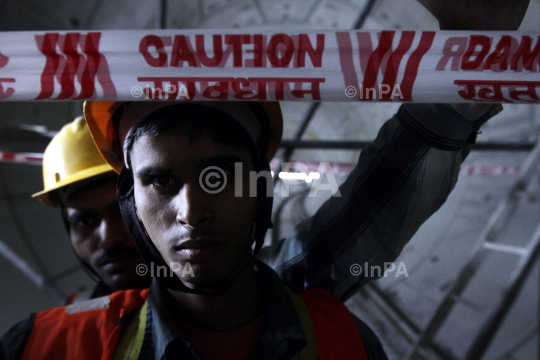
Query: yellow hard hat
x=99, y=116
x=70, y=158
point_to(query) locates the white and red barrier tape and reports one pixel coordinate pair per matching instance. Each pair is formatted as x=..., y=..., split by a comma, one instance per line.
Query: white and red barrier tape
x=21, y=158
x=306, y=167
x=292, y=65
x=344, y=168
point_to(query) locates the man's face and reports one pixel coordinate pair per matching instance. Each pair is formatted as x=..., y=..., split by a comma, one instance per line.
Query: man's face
x=100, y=238
x=187, y=224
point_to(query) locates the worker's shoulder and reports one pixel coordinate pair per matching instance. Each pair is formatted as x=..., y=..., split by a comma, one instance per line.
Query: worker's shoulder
x=112, y=306
x=79, y=327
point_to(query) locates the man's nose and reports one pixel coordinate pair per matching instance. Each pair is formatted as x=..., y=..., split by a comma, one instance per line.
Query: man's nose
x=112, y=231
x=193, y=206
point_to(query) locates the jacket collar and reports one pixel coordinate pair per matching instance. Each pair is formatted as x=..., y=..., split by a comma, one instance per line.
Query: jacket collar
x=282, y=333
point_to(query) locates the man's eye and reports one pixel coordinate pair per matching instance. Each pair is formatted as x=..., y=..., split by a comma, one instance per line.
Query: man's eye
x=87, y=221
x=163, y=181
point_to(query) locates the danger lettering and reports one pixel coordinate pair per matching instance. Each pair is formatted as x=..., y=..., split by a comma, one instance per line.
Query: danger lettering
x=5, y=93
x=499, y=91
x=236, y=50
x=229, y=88
x=481, y=52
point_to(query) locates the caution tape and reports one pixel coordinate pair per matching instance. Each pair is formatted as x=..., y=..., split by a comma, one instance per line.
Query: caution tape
x=346, y=168
x=291, y=167
x=208, y=64
x=490, y=170
x=21, y=158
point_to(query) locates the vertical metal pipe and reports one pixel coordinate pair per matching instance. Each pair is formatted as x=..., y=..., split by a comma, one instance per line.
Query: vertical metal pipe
x=163, y=14
x=364, y=15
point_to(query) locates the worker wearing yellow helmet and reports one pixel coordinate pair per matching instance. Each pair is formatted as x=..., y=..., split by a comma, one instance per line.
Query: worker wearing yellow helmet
x=77, y=179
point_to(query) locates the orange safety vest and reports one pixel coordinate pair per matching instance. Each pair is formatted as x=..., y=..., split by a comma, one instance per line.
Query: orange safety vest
x=91, y=330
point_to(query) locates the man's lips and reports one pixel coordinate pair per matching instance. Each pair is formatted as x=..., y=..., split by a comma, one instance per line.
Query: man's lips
x=199, y=249
x=198, y=243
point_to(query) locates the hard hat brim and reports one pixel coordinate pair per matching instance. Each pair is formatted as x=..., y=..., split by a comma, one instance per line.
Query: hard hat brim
x=98, y=116
x=50, y=197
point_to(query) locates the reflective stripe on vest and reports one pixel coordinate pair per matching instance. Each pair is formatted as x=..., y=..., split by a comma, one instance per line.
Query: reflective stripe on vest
x=130, y=344
x=310, y=351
